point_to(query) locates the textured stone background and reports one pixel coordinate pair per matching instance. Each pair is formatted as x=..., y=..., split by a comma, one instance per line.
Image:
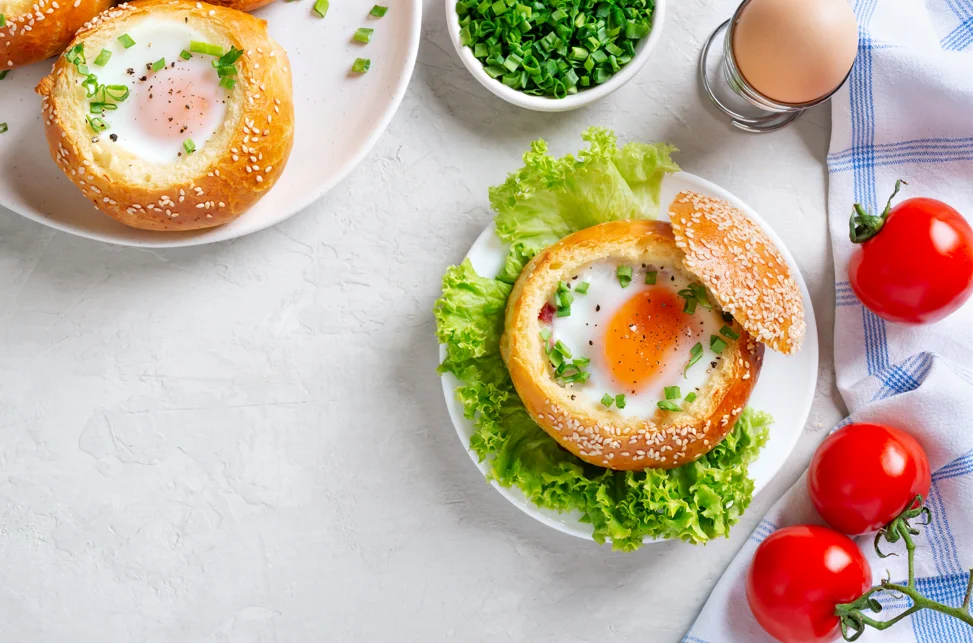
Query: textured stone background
x=247, y=441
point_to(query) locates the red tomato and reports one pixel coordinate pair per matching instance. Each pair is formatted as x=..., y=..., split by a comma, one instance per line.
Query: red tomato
x=864, y=475
x=915, y=262
x=918, y=267
x=797, y=577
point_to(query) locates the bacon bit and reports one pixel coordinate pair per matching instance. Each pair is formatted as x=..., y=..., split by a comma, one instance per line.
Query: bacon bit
x=547, y=314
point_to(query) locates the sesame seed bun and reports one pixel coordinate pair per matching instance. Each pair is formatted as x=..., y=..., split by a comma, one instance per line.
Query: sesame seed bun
x=584, y=426
x=225, y=176
x=39, y=29
x=736, y=261
x=242, y=5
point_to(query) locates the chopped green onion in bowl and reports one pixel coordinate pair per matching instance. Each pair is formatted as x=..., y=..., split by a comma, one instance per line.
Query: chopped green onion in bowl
x=543, y=49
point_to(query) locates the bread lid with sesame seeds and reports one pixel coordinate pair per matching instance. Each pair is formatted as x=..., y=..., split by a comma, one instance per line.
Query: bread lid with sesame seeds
x=742, y=268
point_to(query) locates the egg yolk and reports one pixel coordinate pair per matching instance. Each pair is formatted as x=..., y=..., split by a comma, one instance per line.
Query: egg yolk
x=647, y=332
x=176, y=102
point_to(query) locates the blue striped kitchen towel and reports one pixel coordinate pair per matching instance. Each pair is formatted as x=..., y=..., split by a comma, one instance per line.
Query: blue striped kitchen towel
x=906, y=112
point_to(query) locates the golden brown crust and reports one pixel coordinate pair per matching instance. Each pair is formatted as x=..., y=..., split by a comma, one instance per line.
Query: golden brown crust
x=736, y=260
x=587, y=429
x=39, y=29
x=251, y=155
x=242, y=5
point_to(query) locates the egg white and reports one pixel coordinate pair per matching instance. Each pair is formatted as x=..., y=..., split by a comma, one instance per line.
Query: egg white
x=583, y=332
x=129, y=125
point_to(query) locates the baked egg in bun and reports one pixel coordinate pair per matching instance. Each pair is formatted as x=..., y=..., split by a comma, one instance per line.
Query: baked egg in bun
x=636, y=344
x=171, y=115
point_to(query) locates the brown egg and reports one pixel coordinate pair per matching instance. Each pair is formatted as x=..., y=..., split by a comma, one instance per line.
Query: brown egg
x=795, y=51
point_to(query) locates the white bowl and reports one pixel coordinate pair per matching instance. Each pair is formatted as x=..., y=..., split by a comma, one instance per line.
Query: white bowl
x=572, y=101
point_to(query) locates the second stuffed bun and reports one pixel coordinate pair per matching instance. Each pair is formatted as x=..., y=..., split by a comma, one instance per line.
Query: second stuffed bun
x=636, y=344
x=34, y=30
x=171, y=115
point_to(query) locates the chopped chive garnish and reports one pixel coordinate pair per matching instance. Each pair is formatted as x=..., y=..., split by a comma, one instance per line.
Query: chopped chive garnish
x=185, y=55
x=3, y=128
x=695, y=354
x=582, y=288
x=126, y=40
x=3, y=23
x=699, y=292
x=321, y=7
x=361, y=65
x=673, y=393
x=227, y=83
x=198, y=47
x=75, y=55
x=620, y=400
x=3, y=74
x=624, y=274
x=90, y=85
x=560, y=347
x=363, y=35
x=582, y=362
x=607, y=400
x=716, y=344
x=728, y=332
x=563, y=298
x=557, y=48
x=189, y=146
x=103, y=58
x=96, y=108
x=117, y=93
x=694, y=294
x=378, y=11
x=545, y=334
x=96, y=123
x=573, y=375
x=666, y=405
x=229, y=58
x=691, y=397
x=159, y=64
x=650, y=277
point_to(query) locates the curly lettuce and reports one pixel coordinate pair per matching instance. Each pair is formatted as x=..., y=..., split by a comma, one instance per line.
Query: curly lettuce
x=540, y=203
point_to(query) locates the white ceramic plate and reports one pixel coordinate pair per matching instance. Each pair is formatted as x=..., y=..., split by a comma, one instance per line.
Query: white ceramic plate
x=785, y=388
x=338, y=118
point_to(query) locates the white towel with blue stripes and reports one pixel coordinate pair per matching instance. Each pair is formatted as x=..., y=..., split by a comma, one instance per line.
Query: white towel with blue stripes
x=906, y=112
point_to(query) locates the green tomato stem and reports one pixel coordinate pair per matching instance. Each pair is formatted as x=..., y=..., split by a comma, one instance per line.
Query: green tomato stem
x=852, y=617
x=863, y=225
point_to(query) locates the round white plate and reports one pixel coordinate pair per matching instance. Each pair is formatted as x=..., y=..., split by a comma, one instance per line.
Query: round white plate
x=785, y=388
x=338, y=118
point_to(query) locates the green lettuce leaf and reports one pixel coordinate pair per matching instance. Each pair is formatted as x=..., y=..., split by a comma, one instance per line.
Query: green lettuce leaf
x=549, y=198
x=544, y=201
